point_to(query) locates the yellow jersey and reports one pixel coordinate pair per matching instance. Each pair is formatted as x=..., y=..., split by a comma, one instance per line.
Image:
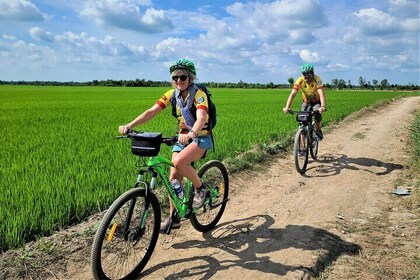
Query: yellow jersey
x=200, y=102
x=309, y=90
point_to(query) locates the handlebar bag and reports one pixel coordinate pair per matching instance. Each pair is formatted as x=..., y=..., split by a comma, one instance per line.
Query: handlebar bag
x=146, y=144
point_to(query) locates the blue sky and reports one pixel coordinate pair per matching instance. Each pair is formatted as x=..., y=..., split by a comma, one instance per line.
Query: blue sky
x=253, y=41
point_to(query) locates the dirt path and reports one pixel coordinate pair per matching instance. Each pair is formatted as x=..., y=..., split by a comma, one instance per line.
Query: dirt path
x=337, y=221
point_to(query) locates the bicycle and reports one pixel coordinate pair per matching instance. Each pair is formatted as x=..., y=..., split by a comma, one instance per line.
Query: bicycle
x=305, y=139
x=129, y=231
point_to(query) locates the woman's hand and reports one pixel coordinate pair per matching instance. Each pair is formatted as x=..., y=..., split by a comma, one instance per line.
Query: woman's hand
x=185, y=138
x=124, y=129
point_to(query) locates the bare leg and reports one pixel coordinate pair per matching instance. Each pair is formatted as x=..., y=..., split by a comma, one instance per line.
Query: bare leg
x=182, y=162
x=182, y=167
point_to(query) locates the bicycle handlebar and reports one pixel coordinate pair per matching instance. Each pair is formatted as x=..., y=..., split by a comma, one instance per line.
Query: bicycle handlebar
x=313, y=113
x=170, y=141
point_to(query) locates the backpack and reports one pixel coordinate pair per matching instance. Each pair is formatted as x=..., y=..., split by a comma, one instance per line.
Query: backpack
x=212, y=107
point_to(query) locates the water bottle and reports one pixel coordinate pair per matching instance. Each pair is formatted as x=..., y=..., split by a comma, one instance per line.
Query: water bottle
x=177, y=188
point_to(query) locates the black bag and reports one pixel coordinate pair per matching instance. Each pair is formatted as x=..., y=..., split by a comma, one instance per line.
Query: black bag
x=146, y=144
x=303, y=117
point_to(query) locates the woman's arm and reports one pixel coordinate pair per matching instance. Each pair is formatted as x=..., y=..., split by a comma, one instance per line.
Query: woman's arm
x=141, y=119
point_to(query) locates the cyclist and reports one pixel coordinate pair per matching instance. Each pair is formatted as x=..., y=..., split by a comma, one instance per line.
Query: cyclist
x=192, y=127
x=313, y=96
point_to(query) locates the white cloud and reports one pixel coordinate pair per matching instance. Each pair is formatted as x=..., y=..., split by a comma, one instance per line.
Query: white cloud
x=253, y=41
x=127, y=15
x=279, y=20
x=375, y=22
x=338, y=67
x=404, y=8
x=301, y=37
x=19, y=10
x=40, y=34
x=253, y=32
x=410, y=25
x=310, y=57
x=9, y=37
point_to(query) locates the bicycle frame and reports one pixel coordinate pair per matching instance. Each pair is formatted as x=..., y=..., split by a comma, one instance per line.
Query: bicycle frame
x=308, y=127
x=129, y=230
x=157, y=166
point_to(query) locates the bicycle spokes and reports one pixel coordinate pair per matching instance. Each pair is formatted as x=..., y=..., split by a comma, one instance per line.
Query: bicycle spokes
x=127, y=236
x=214, y=175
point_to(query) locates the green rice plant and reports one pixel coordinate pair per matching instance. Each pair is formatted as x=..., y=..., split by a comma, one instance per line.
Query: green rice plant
x=60, y=162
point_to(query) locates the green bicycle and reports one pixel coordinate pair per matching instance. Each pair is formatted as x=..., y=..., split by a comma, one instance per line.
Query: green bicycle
x=129, y=231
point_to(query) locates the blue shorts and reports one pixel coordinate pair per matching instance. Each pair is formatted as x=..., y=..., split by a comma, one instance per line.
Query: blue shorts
x=204, y=142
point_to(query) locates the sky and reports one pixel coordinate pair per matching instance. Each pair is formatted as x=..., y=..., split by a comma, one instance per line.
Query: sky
x=229, y=41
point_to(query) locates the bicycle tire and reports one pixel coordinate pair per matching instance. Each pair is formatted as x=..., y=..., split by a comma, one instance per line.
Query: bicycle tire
x=122, y=253
x=215, y=177
x=301, y=152
x=314, y=146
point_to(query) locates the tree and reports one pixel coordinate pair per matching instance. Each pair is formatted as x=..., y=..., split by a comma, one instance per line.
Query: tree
x=362, y=82
x=384, y=84
x=291, y=81
x=375, y=82
x=334, y=83
x=341, y=84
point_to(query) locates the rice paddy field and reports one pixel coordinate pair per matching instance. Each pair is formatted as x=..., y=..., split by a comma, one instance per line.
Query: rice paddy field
x=60, y=160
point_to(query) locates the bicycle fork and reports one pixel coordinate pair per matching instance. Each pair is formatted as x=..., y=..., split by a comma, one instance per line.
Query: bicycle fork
x=134, y=236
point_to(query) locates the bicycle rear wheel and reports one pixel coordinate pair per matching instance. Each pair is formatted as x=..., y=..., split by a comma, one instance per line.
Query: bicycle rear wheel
x=301, y=150
x=126, y=236
x=214, y=175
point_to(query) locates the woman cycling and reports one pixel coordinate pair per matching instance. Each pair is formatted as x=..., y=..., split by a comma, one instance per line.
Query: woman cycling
x=194, y=134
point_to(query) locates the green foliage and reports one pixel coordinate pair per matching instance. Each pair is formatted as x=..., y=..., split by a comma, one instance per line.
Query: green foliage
x=60, y=161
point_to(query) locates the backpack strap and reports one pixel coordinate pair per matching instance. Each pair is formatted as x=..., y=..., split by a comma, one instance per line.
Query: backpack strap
x=176, y=100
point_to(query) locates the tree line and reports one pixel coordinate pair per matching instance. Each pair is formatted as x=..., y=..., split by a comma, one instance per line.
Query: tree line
x=335, y=84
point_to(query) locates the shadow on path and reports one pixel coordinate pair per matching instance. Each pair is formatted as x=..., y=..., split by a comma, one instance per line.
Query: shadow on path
x=252, y=244
x=330, y=165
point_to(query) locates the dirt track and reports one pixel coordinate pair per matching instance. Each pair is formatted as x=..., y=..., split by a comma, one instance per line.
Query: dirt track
x=279, y=224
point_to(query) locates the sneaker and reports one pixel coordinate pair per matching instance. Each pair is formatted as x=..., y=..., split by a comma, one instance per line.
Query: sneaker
x=199, y=197
x=319, y=134
x=165, y=224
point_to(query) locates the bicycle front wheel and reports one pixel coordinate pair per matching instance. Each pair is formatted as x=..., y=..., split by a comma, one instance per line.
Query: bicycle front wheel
x=314, y=145
x=126, y=236
x=214, y=176
x=301, y=150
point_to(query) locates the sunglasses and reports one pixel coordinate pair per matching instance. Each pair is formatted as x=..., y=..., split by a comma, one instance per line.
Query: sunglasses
x=308, y=73
x=182, y=77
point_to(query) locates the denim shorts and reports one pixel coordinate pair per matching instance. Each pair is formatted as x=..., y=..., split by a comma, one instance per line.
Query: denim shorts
x=204, y=142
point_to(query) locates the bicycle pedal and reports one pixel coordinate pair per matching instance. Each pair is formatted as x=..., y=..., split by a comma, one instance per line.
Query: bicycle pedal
x=169, y=228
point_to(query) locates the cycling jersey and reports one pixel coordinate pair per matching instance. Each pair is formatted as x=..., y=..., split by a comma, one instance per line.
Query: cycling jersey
x=309, y=90
x=200, y=102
